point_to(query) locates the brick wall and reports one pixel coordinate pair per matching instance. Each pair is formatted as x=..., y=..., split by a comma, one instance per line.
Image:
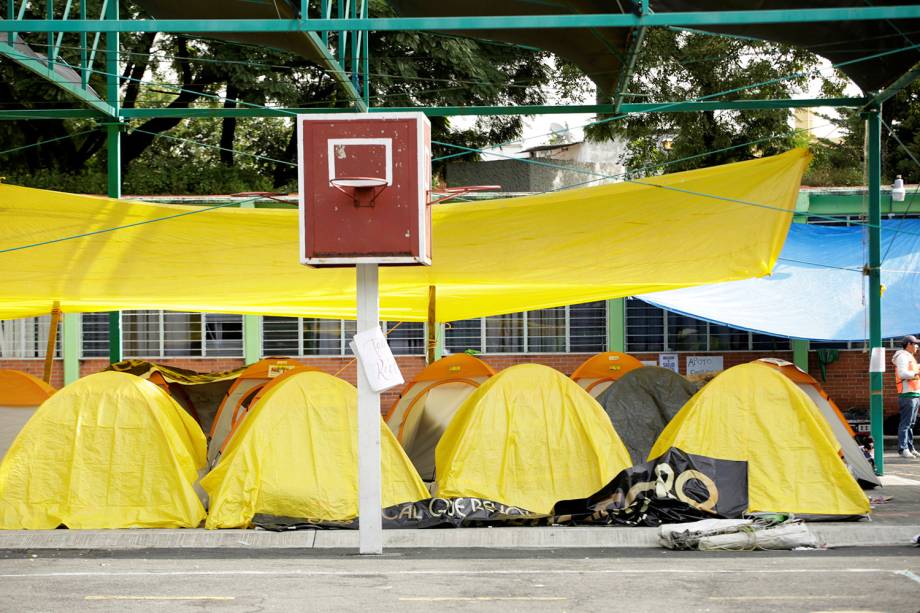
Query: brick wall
x=847, y=378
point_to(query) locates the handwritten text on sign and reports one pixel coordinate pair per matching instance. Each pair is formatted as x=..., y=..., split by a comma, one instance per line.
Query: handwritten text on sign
x=700, y=364
x=376, y=359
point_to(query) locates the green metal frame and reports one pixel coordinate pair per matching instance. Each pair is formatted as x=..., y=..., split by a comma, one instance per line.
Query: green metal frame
x=346, y=23
x=516, y=22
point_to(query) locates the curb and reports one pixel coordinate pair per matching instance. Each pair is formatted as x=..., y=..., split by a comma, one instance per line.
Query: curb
x=487, y=538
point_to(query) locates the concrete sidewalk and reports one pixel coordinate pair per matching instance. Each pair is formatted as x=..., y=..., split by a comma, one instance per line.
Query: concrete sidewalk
x=892, y=522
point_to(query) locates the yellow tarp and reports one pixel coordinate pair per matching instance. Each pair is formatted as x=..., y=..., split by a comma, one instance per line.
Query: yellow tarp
x=528, y=437
x=755, y=414
x=491, y=257
x=110, y=450
x=295, y=455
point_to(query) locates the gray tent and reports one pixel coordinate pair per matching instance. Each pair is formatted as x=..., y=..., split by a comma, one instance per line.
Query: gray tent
x=641, y=403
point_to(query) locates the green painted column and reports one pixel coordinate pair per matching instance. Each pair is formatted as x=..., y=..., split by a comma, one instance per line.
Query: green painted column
x=252, y=338
x=252, y=324
x=70, y=347
x=439, y=338
x=873, y=160
x=616, y=325
x=800, y=353
x=113, y=149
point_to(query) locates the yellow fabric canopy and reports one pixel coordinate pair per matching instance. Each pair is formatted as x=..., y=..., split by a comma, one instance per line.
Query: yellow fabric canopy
x=500, y=256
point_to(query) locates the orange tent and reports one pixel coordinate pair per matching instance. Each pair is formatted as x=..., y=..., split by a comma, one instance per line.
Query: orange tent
x=20, y=394
x=599, y=371
x=240, y=396
x=842, y=430
x=428, y=402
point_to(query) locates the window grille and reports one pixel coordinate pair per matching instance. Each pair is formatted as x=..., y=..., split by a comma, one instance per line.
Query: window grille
x=574, y=328
x=293, y=336
x=95, y=329
x=166, y=334
x=652, y=329
x=27, y=337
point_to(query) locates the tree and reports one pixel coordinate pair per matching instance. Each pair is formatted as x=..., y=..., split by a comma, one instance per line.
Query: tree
x=676, y=66
x=160, y=155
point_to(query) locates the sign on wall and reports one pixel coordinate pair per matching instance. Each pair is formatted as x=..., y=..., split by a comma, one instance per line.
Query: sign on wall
x=701, y=364
x=669, y=361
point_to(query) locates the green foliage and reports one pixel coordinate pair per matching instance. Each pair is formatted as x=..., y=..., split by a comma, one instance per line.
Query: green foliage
x=675, y=66
x=231, y=155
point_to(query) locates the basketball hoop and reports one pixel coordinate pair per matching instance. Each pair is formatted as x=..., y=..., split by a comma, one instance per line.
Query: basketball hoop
x=363, y=190
x=456, y=192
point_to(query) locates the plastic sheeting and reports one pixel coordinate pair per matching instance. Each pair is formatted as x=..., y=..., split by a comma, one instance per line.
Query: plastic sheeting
x=817, y=289
x=107, y=451
x=500, y=256
x=528, y=437
x=641, y=403
x=753, y=413
x=296, y=456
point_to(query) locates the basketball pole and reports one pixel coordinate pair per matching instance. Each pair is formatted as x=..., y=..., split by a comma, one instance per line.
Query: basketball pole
x=370, y=502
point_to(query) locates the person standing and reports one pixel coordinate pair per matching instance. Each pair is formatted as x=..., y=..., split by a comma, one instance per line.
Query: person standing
x=907, y=381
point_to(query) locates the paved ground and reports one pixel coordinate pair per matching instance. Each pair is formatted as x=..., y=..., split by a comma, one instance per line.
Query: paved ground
x=857, y=579
x=513, y=569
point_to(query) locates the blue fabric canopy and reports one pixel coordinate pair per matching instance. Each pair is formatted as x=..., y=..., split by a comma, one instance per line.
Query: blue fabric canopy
x=817, y=289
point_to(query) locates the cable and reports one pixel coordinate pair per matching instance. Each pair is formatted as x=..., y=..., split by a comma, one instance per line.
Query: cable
x=126, y=226
x=50, y=140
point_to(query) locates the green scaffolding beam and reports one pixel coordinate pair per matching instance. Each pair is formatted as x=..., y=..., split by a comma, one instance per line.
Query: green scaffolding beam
x=517, y=22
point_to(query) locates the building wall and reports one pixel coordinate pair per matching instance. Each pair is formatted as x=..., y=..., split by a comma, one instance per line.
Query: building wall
x=847, y=379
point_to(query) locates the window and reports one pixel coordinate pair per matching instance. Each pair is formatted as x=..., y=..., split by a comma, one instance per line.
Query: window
x=652, y=329
x=574, y=328
x=293, y=336
x=27, y=337
x=95, y=328
x=164, y=334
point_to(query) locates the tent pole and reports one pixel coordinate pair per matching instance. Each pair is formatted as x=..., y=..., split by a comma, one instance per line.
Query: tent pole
x=370, y=502
x=52, y=341
x=873, y=160
x=113, y=144
x=431, y=344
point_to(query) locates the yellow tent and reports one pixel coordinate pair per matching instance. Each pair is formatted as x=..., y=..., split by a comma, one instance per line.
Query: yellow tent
x=753, y=413
x=528, y=437
x=110, y=450
x=492, y=257
x=295, y=455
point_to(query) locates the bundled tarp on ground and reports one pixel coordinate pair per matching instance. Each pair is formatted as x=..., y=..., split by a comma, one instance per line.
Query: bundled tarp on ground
x=20, y=394
x=491, y=257
x=641, y=404
x=855, y=457
x=426, y=405
x=294, y=459
x=199, y=393
x=528, y=437
x=241, y=393
x=752, y=413
x=110, y=450
x=672, y=488
x=598, y=372
x=818, y=289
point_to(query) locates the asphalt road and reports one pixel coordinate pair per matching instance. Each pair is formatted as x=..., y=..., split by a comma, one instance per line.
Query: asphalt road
x=855, y=579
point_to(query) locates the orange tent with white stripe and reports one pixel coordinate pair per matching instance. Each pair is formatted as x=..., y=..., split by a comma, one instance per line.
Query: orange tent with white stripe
x=241, y=394
x=428, y=402
x=597, y=372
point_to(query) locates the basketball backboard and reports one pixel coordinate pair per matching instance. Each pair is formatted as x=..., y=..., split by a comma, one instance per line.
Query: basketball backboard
x=365, y=182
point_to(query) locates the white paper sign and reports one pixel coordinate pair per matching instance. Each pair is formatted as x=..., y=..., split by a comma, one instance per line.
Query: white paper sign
x=669, y=361
x=877, y=360
x=701, y=364
x=376, y=359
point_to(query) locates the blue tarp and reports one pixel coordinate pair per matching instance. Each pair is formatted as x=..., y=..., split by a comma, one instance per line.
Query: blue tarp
x=817, y=289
